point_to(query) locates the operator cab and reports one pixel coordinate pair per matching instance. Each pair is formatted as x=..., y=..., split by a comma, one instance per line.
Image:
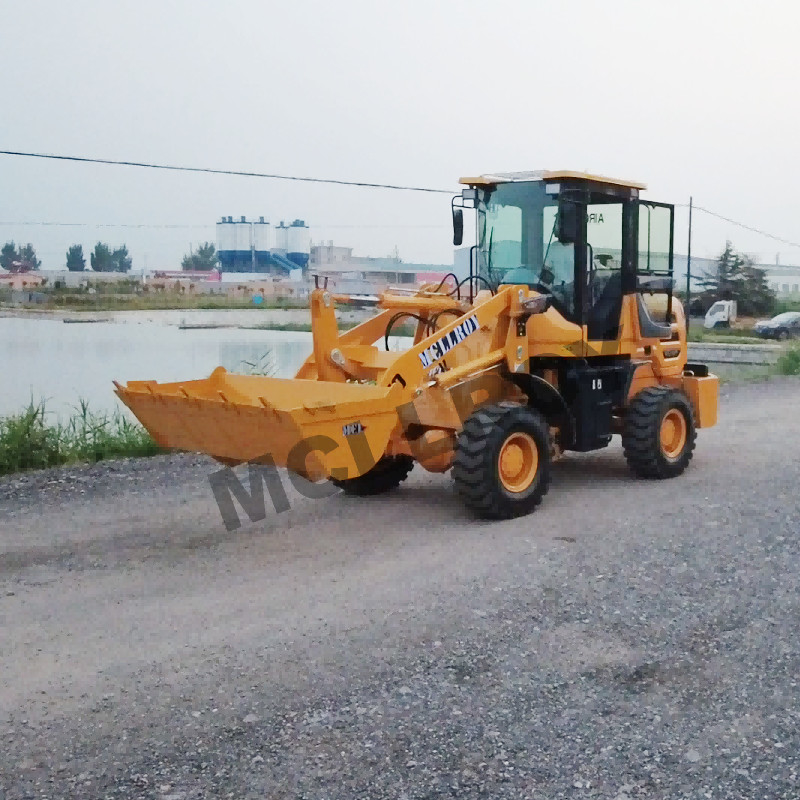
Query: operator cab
x=584, y=240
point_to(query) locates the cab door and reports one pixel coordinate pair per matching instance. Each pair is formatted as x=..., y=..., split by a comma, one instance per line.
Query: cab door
x=607, y=263
x=654, y=258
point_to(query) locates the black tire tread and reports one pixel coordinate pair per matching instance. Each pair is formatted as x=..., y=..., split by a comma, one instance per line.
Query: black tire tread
x=640, y=435
x=387, y=474
x=474, y=466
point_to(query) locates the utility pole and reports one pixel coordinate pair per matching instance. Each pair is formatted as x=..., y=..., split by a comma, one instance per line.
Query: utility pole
x=689, y=271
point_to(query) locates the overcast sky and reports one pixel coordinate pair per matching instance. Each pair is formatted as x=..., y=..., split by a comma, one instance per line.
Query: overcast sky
x=690, y=97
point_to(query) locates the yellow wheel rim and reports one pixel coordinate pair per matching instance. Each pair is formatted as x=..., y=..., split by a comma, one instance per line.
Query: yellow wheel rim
x=518, y=462
x=673, y=433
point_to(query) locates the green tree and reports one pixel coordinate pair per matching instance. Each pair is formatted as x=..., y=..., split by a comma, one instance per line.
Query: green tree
x=204, y=259
x=756, y=296
x=723, y=281
x=27, y=257
x=8, y=255
x=101, y=259
x=736, y=277
x=22, y=260
x=121, y=260
x=75, y=260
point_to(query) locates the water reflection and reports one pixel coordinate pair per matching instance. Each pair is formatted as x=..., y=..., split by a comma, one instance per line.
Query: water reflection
x=280, y=358
x=46, y=359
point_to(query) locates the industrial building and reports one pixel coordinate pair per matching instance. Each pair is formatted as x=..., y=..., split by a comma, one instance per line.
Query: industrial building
x=249, y=246
x=351, y=274
x=783, y=280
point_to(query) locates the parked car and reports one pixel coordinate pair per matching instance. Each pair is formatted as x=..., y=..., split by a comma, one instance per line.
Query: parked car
x=784, y=326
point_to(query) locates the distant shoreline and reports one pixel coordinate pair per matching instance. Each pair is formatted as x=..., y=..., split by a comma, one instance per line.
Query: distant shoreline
x=68, y=313
x=279, y=319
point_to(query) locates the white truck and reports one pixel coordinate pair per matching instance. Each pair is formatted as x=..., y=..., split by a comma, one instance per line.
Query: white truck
x=721, y=314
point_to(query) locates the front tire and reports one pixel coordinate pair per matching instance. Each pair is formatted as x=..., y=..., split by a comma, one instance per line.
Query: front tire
x=659, y=434
x=387, y=474
x=502, y=462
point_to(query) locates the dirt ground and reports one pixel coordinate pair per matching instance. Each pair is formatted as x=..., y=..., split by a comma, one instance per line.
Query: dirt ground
x=631, y=639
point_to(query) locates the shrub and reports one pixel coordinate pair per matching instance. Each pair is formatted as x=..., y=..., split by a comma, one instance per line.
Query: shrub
x=29, y=441
x=789, y=362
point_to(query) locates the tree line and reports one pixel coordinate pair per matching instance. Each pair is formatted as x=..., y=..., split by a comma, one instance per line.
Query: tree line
x=18, y=259
x=734, y=276
x=102, y=258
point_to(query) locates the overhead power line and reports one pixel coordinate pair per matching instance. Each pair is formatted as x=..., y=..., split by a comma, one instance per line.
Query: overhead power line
x=97, y=225
x=322, y=226
x=211, y=171
x=747, y=227
x=304, y=179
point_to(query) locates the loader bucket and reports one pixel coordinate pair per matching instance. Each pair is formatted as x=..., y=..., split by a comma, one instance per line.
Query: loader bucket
x=315, y=428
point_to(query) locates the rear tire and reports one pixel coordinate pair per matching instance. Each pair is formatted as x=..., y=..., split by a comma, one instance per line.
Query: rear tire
x=502, y=462
x=659, y=434
x=386, y=475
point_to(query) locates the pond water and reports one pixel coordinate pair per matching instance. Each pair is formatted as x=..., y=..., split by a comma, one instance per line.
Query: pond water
x=47, y=359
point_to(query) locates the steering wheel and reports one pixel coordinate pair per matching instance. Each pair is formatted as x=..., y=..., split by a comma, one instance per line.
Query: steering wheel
x=545, y=280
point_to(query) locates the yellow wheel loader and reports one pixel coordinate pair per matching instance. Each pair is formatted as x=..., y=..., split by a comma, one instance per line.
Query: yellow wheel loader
x=565, y=333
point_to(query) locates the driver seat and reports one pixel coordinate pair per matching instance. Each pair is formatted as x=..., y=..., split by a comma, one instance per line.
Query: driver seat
x=603, y=322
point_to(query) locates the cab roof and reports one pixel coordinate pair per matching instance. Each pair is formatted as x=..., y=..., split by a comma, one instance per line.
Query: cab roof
x=492, y=179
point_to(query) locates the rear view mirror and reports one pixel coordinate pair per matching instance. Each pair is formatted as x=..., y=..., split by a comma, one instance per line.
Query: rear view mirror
x=567, y=222
x=458, y=226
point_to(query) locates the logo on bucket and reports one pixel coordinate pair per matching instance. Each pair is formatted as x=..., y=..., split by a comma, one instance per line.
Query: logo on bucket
x=442, y=346
x=352, y=429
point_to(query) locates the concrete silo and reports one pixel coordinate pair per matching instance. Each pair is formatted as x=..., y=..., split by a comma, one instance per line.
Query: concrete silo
x=281, y=246
x=260, y=247
x=244, y=246
x=226, y=243
x=262, y=244
x=299, y=243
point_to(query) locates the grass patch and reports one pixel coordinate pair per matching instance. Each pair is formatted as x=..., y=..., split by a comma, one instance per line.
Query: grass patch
x=742, y=373
x=723, y=335
x=29, y=441
x=789, y=362
x=121, y=298
x=299, y=327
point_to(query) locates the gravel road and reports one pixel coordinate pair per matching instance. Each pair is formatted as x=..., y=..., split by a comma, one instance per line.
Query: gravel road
x=631, y=639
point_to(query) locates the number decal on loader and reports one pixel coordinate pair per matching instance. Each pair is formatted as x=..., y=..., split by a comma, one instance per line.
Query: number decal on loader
x=352, y=429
